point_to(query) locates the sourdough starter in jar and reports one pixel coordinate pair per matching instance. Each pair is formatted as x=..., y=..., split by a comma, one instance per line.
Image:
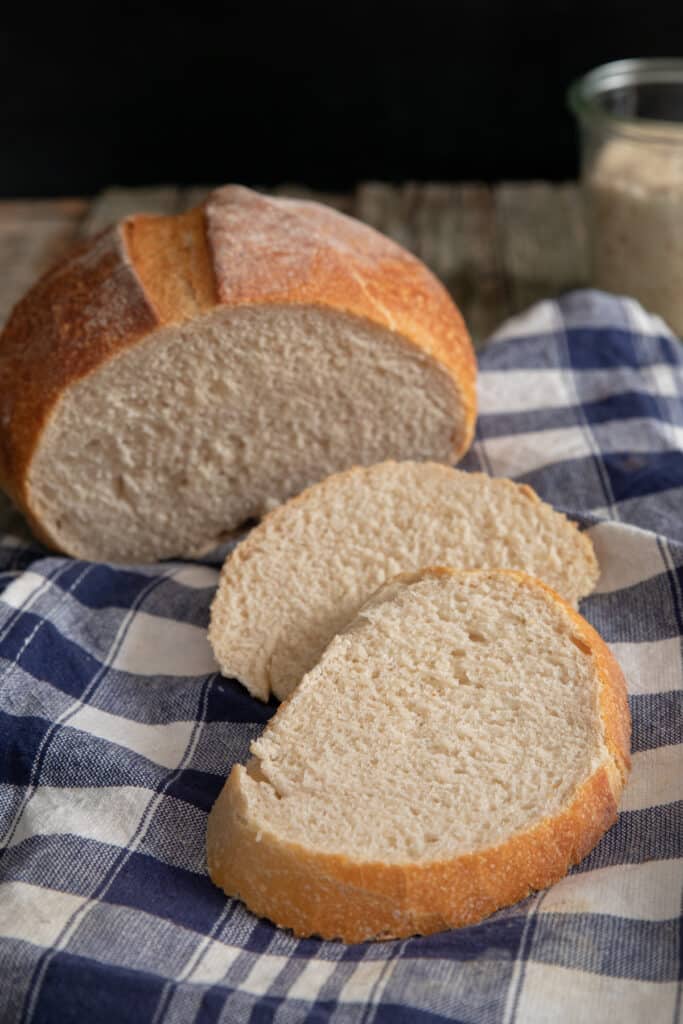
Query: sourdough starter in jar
x=634, y=197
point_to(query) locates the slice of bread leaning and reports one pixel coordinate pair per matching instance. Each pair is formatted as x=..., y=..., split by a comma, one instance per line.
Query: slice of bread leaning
x=461, y=743
x=308, y=567
x=179, y=375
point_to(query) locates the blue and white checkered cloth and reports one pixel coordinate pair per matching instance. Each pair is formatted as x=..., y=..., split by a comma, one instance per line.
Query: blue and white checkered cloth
x=117, y=734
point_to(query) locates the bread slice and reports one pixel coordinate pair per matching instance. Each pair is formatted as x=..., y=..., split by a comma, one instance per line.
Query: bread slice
x=462, y=742
x=308, y=567
x=179, y=375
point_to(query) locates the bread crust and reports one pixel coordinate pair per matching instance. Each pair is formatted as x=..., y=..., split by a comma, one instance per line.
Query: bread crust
x=239, y=249
x=315, y=893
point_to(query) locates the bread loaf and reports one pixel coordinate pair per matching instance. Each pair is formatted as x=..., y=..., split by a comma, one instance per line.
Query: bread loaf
x=178, y=375
x=462, y=742
x=308, y=567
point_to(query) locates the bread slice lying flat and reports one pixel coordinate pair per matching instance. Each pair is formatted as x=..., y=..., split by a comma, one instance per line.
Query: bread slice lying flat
x=463, y=742
x=308, y=567
x=179, y=375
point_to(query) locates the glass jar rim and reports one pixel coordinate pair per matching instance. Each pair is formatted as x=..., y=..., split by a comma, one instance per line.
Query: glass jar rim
x=584, y=93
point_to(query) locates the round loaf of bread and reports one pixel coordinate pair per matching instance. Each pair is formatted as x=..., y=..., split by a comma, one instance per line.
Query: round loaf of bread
x=179, y=375
x=301, y=574
x=461, y=743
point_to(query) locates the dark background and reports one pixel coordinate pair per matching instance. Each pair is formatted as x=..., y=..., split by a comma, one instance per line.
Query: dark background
x=323, y=94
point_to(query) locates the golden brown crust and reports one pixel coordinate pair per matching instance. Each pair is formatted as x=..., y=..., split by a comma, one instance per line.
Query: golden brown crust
x=322, y=894
x=239, y=249
x=330, y=896
x=614, y=710
x=172, y=259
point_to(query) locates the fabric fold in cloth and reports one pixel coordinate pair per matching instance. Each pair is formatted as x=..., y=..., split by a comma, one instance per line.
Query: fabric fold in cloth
x=117, y=732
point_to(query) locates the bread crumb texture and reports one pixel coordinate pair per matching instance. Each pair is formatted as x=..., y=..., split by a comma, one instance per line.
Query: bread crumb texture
x=307, y=569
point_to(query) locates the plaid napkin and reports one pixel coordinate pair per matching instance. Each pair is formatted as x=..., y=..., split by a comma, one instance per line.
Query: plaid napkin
x=117, y=735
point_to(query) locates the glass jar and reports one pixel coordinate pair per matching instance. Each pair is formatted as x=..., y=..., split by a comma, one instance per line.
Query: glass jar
x=630, y=114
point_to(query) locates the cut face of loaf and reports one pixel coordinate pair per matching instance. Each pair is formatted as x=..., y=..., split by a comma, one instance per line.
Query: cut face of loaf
x=179, y=375
x=308, y=567
x=462, y=742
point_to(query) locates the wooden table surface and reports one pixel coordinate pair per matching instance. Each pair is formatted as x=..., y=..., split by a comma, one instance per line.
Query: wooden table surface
x=497, y=249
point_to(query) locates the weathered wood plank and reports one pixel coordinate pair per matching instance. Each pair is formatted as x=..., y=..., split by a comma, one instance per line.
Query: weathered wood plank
x=542, y=239
x=481, y=290
x=191, y=197
x=342, y=201
x=33, y=235
x=386, y=207
x=456, y=237
x=23, y=212
x=115, y=203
